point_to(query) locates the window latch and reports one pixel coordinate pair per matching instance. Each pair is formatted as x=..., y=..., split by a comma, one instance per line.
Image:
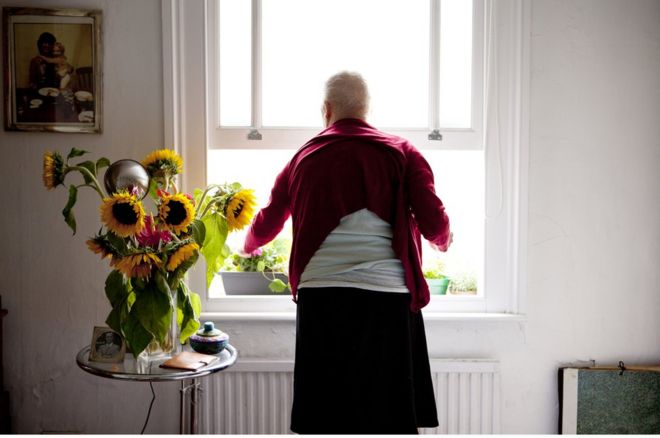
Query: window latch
x=254, y=135
x=435, y=135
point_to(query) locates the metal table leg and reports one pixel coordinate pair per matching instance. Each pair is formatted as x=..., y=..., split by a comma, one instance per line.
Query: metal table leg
x=194, y=405
x=182, y=407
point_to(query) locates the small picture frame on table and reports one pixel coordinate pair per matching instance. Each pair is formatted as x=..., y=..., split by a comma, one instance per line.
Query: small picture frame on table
x=52, y=70
x=107, y=346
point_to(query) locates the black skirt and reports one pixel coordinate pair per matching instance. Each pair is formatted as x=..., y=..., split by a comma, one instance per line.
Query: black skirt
x=362, y=364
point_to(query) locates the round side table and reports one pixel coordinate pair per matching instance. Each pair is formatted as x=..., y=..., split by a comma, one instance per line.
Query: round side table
x=128, y=370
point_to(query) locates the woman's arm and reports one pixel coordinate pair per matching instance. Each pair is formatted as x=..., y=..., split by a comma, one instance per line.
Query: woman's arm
x=425, y=205
x=54, y=60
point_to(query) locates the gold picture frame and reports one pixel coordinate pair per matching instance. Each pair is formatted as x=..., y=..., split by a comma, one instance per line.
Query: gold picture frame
x=52, y=70
x=107, y=346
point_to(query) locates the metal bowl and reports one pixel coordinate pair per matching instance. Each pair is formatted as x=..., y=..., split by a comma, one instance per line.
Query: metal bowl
x=127, y=175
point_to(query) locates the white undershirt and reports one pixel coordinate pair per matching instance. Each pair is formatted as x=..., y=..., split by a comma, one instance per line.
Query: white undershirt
x=358, y=253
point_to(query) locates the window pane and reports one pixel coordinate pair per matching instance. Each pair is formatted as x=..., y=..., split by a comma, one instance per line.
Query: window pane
x=456, y=63
x=459, y=179
x=459, y=182
x=254, y=169
x=235, y=63
x=305, y=42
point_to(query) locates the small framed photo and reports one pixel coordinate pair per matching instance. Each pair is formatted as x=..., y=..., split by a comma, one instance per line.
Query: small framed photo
x=107, y=346
x=52, y=70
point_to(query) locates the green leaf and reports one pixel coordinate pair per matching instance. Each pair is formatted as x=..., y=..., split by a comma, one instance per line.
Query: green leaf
x=190, y=308
x=114, y=319
x=76, y=153
x=189, y=328
x=181, y=298
x=91, y=166
x=154, y=311
x=130, y=300
x=161, y=283
x=119, y=292
x=261, y=265
x=213, y=249
x=102, y=162
x=196, y=303
x=198, y=232
x=117, y=242
x=153, y=189
x=69, y=218
x=177, y=275
x=137, y=337
x=117, y=289
x=278, y=285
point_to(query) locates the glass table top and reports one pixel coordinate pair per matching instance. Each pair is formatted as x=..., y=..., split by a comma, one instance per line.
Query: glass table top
x=130, y=369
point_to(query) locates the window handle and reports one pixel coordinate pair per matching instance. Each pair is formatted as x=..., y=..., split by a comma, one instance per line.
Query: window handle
x=254, y=135
x=435, y=135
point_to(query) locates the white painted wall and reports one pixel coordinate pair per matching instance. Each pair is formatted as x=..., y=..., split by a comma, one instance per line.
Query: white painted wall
x=49, y=281
x=594, y=239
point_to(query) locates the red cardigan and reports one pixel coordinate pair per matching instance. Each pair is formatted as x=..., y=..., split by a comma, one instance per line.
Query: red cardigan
x=345, y=168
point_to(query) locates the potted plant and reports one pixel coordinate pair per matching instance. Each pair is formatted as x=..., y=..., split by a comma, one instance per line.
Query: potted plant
x=436, y=279
x=263, y=273
x=464, y=283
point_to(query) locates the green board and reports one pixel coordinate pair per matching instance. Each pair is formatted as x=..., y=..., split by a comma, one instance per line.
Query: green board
x=608, y=401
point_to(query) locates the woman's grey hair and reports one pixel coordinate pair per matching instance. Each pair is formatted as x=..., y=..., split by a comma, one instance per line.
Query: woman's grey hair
x=348, y=94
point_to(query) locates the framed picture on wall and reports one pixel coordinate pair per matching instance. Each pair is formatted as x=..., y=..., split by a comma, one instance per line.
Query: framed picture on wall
x=52, y=70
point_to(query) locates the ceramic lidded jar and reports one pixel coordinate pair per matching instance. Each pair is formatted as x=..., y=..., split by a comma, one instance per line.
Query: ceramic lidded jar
x=209, y=340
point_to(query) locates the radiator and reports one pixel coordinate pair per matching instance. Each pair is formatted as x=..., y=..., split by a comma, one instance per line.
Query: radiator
x=467, y=395
x=255, y=396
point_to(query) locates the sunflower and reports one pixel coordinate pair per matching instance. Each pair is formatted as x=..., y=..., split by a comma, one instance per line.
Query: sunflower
x=123, y=214
x=163, y=162
x=182, y=254
x=137, y=265
x=240, y=209
x=53, y=170
x=176, y=212
x=100, y=245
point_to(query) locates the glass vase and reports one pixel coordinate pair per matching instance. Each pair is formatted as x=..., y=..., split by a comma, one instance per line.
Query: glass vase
x=157, y=352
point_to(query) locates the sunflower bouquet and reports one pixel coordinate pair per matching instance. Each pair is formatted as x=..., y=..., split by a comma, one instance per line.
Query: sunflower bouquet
x=150, y=252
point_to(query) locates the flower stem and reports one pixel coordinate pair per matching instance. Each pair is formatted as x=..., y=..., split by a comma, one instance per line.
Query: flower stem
x=83, y=170
x=208, y=207
x=201, y=200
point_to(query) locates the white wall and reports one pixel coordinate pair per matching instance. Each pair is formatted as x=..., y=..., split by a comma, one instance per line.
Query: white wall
x=594, y=240
x=50, y=283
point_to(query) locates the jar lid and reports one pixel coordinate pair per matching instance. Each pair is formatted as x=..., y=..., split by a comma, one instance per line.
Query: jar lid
x=209, y=331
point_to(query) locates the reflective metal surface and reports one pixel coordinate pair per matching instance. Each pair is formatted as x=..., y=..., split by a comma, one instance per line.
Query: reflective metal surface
x=130, y=370
x=128, y=175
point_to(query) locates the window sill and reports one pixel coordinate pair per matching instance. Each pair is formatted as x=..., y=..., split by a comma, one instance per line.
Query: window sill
x=428, y=316
x=248, y=316
x=474, y=317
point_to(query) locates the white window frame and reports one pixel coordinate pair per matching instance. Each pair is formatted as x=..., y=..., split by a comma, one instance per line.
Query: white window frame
x=190, y=119
x=228, y=137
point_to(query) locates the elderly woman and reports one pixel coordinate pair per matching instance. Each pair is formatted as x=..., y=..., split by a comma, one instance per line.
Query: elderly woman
x=359, y=199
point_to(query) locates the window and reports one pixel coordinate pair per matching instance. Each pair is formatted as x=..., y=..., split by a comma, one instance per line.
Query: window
x=459, y=180
x=270, y=58
x=259, y=98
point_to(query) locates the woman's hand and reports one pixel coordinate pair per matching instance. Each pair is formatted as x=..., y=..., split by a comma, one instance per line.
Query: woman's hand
x=242, y=253
x=440, y=248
